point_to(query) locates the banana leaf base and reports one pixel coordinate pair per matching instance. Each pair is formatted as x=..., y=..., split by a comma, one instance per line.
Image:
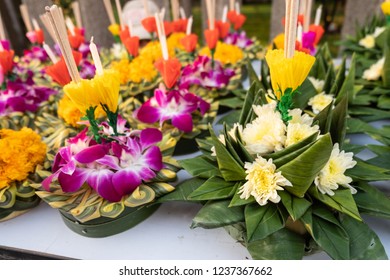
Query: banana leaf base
x=103, y=227
x=20, y=207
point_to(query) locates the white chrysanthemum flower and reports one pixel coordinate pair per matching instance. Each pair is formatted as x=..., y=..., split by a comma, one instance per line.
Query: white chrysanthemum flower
x=297, y=132
x=297, y=117
x=332, y=175
x=375, y=71
x=119, y=51
x=320, y=101
x=266, y=133
x=232, y=133
x=378, y=31
x=262, y=181
x=317, y=84
x=368, y=41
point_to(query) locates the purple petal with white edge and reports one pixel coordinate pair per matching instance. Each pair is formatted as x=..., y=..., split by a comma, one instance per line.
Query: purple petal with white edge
x=126, y=181
x=161, y=97
x=183, y=122
x=101, y=181
x=133, y=146
x=71, y=183
x=91, y=154
x=110, y=161
x=116, y=149
x=46, y=183
x=150, y=136
x=68, y=168
x=153, y=158
x=148, y=114
x=147, y=174
x=203, y=106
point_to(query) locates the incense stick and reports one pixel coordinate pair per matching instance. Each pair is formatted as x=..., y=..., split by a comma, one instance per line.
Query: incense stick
x=146, y=7
x=77, y=14
x=175, y=9
x=110, y=13
x=287, y=27
x=293, y=27
x=46, y=22
x=119, y=9
x=189, y=25
x=161, y=36
x=224, y=13
x=50, y=53
x=2, y=30
x=25, y=17
x=35, y=24
x=70, y=25
x=56, y=19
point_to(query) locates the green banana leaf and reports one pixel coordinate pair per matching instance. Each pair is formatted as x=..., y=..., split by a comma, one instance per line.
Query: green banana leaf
x=213, y=189
x=372, y=201
x=295, y=206
x=182, y=190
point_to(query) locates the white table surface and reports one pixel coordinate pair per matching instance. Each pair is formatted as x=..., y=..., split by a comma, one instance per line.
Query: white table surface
x=165, y=235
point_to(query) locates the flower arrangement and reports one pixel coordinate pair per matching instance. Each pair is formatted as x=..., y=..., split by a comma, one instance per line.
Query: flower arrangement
x=106, y=178
x=23, y=154
x=260, y=181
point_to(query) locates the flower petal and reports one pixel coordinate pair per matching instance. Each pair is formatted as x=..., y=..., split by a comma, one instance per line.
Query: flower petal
x=110, y=161
x=91, y=154
x=126, y=181
x=183, y=122
x=153, y=158
x=148, y=114
x=101, y=181
x=71, y=183
x=150, y=136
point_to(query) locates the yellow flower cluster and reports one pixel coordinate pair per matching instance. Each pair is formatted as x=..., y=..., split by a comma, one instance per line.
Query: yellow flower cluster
x=102, y=89
x=136, y=71
x=68, y=111
x=385, y=6
x=225, y=53
x=114, y=29
x=21, y=151
x=173, y=41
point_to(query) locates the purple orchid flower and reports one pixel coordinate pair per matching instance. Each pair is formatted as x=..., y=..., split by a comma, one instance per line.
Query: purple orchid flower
x=203, y=74
x=308, y=39
x=5, y=44
x=84, y=49
x=23, y=94
x=35, y=52
x=175, y=105
x=112, y=169
x=87, y=69
x=238, y=39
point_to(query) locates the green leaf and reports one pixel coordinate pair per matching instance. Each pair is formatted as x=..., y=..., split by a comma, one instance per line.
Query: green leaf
x=386, y=66
x=303, y=169
x=371, y=201
x=233, y=102
x=306, y=91
x=339, y=121
x=384, y=102
x=281, y=245
x=251, y=98
x=182, y=190
x=230, y=169
x=329, y=79
x=347, y=88
x=341, y=201
x=230, y=118
x=340, y=77
x=200, y=166
x=217, y=214
x=367, y=172
x=237, y=201
x=253, y=78
x=364, y=243
x=295, y=206
x=327, y=232
x=214, y=188
x=262, y=221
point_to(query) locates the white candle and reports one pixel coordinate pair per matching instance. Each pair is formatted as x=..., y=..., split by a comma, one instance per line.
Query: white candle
x=35, y=24
x=119, y=9
x=299, y=33
x=1, y=47
x=189, y=26
x=238, y=8
x=317, y=20
x=162, y=13
x=70, y=25
x=224, y=14
x=182, y=13
x=96, y=57
x=50, y=53
x=146, y=7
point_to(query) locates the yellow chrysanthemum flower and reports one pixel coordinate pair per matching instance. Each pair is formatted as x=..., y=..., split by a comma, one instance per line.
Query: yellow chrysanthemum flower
x=102, y=89
x=385, y=6
x=319, y=101
x=368, y=42
x=21, y=152
x=173, y=41
x=69, y=112
x=123, y=68
x=152, y=51
x=288, y=72
x=142, y=70
x=225, y=53
x=114, y=29
x=263, y=181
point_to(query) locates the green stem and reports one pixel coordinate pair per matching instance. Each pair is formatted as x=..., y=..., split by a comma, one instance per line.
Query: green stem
x=93, y=124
